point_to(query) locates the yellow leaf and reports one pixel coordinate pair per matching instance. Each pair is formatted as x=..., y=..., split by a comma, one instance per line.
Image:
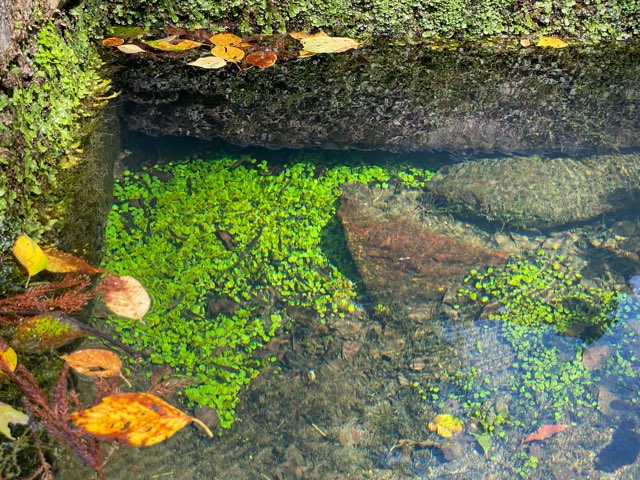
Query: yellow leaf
x=445, y=425
x=208, y=62
x=124, y=296
x=226, y=39
x=112, y=41
x=328, y=44
x=130, y=48
x=301, y=35
x=167, y=46
x=551, y=42
x=29, y=254
x=305, y=54
x=95, y=362
x=231, y=54
x=8, y=415
x=62, y=262
x=137, y=419
x=9, y=360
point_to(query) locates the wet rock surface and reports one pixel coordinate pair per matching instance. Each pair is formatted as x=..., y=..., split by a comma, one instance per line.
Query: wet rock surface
x=403, y=253
x=537, y=193
x=395, y=98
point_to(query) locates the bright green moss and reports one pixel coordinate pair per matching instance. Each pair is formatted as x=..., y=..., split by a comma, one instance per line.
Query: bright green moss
x=216, y=301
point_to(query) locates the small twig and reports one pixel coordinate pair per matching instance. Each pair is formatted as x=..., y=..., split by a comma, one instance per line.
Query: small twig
x=318, y=429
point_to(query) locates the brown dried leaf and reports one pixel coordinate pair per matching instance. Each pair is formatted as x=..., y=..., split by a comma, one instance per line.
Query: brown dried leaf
x=544, y=432
x=95, y=362
x=62, y=262
x=125, y=296
x=261, y=59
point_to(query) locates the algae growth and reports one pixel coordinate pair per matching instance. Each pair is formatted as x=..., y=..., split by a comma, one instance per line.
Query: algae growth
x=229, y=252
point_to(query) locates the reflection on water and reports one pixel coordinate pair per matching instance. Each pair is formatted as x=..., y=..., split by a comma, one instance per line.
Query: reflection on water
x=510, y=332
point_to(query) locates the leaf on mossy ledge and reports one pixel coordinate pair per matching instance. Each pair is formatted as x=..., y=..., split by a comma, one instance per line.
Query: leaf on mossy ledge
x=167, y=46
x=208, y=62
x=230, y=54
x=130, y=48
x=8, y=415
x=95, y=362
x=125, y=32
x=445, y=425
x=43, y=333
x=124, y=296
x=29, y=254
x=301, y=35
x=112, y=41
x=261, y=59
x=551, y=42
x=136, y=419
x=226, y=39
x=63, y=262
x=328, y=44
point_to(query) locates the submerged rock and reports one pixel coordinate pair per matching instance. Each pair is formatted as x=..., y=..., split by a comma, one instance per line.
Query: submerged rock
x=535, y=193
x=623, y=450
x=404, y=254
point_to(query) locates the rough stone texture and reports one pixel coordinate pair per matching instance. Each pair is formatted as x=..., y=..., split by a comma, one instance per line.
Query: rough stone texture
x=534, y=192
x=404, y=254
x=12, y=13
x=401, y=99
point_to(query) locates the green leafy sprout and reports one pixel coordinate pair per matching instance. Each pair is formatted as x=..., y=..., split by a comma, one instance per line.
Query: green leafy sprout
x=169, y=235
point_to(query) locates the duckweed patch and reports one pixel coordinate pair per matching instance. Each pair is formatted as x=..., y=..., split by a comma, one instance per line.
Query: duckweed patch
x=226, y=251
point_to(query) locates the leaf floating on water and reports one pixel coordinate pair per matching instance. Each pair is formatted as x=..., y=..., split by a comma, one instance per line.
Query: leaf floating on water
x=484, y=441
x=43, y=333
x=231, y=54
x=551, y=42
x=125, y=32
x=8, y=415
x=301, y=35
x=29, y=254
x=137, y=419
x=112, y=41
x=226, y=39
x=130, y=48
x=9, y=360
x=328, y=44
x=208, y=62
x=95, y=362
x=261, y=59
x=445, y=425
x=63, y=262
x=167, y=46
x=125, y=296
x=544, y=432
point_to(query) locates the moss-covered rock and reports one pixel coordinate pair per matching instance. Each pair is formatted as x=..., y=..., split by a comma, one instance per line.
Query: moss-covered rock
x=398, y=99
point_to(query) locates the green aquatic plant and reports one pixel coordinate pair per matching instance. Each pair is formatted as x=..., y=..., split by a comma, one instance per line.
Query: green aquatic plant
x=229, y=252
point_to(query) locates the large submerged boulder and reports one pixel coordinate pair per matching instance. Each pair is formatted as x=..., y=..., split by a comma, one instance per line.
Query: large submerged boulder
x=536, y=193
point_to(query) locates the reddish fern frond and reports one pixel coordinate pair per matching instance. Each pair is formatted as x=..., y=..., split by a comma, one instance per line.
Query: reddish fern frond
x=170, y=386
x=59, y=398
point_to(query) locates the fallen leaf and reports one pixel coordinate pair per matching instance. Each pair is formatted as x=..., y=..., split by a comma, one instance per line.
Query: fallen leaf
x=129, y=48
x=29, y=254
x=137, y=419
x=95, y=362
x=9, y=359
x=112, y=41
x=42, y=333
x=226, y=39
x=328, y=44
x=231, y=54
x=551, y=42
x=305, y=54
x=167, y=46
x=208, y=62
x=445, y=425
x=124, y=296
x=63, y=262
x=544, y=432
x=525, y=42
x=484, y=441
x=8, y=415
x=301, y=35
x=125, y=32
x=261, y=59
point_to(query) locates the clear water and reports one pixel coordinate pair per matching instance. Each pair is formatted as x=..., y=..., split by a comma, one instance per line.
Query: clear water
x=460, y=311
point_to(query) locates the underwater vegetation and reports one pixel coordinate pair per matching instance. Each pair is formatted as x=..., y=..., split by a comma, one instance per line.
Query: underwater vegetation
x=229, y=252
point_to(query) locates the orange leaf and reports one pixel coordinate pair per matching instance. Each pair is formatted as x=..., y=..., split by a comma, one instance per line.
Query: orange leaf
x=137, y=419
x=544, y=432
x=301, y=35
x=230, y=54
x=29, y=254
x=62, y=262
x=226, y=39
x=95, y=362
x=261, y=59
x=112, y=41
x=125, y=296
x=9, y=360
